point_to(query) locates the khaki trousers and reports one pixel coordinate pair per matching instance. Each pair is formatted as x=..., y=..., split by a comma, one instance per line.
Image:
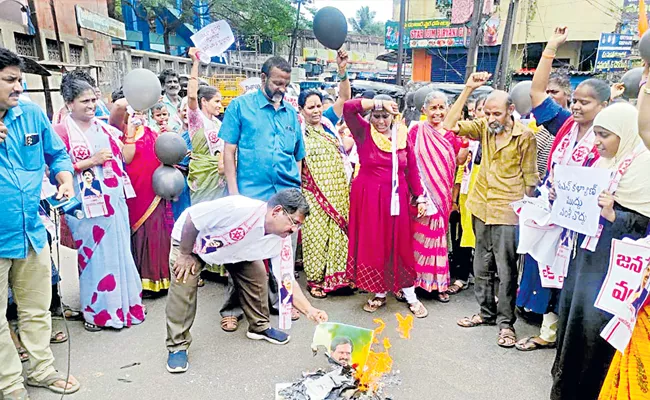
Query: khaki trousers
x=30, y=280
x=250, y=280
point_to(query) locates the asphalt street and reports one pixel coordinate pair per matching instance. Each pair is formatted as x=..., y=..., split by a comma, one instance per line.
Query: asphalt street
x=441, y=360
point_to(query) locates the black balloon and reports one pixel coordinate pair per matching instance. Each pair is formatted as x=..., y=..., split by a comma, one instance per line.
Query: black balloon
x=644, y=47
x=421, y=95
x=168, y=182
x=631, y=80
x=170, y=148
x=330, y=27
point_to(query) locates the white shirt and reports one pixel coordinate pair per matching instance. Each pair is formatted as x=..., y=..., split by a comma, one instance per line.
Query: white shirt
x=231, y=230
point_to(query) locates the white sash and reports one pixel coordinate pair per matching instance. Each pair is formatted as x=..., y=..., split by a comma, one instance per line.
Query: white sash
x=394, y=197
x=92, y=196
x=579, y=152
x=211, y=132
x=282, y=266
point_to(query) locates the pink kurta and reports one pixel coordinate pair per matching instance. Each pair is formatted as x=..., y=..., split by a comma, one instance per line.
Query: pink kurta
x=380, y=255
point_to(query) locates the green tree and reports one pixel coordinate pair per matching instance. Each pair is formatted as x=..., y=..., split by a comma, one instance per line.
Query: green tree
x=364, y=23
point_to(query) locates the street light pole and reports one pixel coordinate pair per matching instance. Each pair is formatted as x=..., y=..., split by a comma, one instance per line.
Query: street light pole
x=400, y=46
x=294, y=37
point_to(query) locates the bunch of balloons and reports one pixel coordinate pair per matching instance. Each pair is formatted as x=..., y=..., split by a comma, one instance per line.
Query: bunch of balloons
x=142, y=91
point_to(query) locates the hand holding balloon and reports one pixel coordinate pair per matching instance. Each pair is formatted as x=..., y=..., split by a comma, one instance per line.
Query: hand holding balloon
x=342, y=61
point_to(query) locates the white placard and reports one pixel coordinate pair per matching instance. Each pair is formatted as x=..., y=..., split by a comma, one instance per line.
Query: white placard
x=214, y=39
x=577, y=190
x=251, y=84
x=626, y=265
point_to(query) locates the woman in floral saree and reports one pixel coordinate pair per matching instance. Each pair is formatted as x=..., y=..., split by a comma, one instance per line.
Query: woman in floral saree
x=110, y=287
x=325, y=184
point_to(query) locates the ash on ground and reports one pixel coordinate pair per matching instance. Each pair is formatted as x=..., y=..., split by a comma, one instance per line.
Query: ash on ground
x=337, y=383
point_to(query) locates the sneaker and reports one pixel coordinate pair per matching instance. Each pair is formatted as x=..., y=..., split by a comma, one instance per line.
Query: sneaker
x=270, y=335
x=177, y=362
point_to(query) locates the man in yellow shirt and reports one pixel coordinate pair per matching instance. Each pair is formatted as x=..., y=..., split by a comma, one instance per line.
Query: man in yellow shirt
x=508, y=171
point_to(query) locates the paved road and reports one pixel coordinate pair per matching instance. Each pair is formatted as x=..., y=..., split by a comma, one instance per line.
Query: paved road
x=441, y=360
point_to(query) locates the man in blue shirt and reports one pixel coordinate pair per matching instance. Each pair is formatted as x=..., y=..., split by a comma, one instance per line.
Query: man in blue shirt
x=263, y=134
x=27, y=145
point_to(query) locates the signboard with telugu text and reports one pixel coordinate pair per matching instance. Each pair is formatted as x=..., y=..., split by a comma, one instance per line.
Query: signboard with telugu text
x=613, y=52
x=426, y=34
x=576, y=205
x=100, y=23
x=214, y=39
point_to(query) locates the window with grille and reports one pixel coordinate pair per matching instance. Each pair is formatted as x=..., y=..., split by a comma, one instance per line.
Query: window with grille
x=169, y=65
x=76, y=54
x=154, y=65
x=136, y=62
x=183, y=68
x=25, y=45
x=53, y=51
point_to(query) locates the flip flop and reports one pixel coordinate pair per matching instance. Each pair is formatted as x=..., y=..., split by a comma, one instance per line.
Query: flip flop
x=473, y=321
x=317, y=292
x=50, y=380
x=91, y=327
x=58, y=337
x=529, y=344
x=374, y=304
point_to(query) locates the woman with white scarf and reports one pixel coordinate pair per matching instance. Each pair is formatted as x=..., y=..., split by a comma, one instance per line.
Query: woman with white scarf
x=582, y=355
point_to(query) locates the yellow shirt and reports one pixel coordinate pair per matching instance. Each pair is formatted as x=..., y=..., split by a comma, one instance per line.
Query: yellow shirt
x=505, y=171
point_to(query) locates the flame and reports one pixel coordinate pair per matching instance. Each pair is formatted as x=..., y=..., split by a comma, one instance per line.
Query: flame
x=380, y=363
x=404, y=325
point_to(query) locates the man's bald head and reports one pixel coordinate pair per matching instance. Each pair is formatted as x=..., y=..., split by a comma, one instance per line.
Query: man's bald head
x=498, y=111
x=500, y=97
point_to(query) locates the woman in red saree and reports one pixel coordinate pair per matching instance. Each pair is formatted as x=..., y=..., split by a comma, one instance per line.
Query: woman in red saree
x=380, y=255
x=436, y=156
x=149, y=215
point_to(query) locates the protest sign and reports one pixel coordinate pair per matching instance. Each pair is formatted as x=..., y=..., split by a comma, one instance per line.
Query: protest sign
x=624, y=277
x=214, y=39
x=576, y=204
x=251, y=84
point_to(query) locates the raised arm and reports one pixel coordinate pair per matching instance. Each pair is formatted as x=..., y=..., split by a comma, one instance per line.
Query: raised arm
x=345, y=91
x=118, y=114
x=475, y=81
x=543, y=71
x=193, y=84
x=354, y=109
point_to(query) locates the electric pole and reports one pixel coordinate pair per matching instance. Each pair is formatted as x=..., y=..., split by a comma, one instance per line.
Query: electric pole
x=503, y=62
x=475, y=36
x=400, y=46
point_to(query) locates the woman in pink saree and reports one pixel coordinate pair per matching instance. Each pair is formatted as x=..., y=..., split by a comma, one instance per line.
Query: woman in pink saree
x=436, y=151
x=150, y=216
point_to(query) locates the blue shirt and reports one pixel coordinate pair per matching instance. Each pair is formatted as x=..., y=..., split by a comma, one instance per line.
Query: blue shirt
x=30, y=144
x=269, y=145
x=551, y=115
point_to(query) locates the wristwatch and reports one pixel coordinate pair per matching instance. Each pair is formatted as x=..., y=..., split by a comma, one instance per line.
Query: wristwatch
x=379, y=105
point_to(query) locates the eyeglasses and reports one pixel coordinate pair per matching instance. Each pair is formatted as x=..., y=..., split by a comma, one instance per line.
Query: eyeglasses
x=294, y=223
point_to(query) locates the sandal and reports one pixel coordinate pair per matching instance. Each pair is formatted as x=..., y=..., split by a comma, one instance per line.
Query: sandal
x=443, y=297
x=374, y=304
x=91, y=327
x=22, y=354
x=532, y=343
x=317, y=292
x=50, y=380
x=507, y=338
x=201, y=282
x=69, y=313
x=229, y=323
x=295, y=314
x=58, y=337
x=20, y=394
x=399, y=296
x=457, y=287
x=419, y=310
x=473, y=321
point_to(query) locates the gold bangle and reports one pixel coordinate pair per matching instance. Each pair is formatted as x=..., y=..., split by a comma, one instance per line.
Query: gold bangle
x=549, y=56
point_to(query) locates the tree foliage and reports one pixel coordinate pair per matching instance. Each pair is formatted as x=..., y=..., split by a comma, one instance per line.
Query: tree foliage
x=364, y=23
